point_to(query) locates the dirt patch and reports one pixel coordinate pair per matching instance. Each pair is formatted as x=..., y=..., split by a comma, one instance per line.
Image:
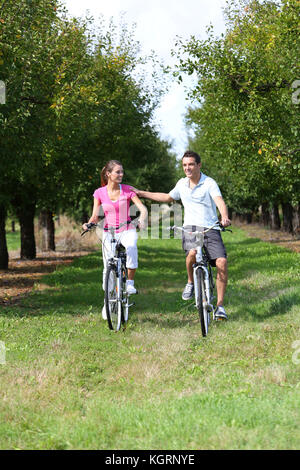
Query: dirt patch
x=19, y=279
x=277, y=237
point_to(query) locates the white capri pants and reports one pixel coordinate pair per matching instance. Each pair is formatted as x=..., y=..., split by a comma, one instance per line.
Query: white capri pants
x=128, y=239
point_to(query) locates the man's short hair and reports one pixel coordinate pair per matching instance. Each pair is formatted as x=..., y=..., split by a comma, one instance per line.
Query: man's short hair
x=194, y=155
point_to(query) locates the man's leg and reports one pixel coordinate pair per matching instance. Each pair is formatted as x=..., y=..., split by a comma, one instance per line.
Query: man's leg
x=190, y=260
x=188, y=292
x=222, y=278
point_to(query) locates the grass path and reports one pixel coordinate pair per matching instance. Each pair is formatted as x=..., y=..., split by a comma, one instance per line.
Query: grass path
x=70, y=383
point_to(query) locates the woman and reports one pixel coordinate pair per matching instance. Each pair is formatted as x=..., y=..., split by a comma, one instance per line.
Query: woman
x=115, y=199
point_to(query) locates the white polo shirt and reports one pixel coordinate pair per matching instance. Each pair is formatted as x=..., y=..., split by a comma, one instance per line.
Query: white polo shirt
x=199, y=206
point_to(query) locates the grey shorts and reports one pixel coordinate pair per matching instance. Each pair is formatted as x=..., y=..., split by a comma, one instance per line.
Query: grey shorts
x=213, y=243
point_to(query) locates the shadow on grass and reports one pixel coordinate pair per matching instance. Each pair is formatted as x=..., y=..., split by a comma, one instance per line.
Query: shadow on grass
x=264, y=280
x=278, y=306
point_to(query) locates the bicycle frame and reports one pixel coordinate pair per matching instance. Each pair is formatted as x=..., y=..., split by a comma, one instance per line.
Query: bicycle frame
x=203, y=299
x=117, y=260
x=201, y=264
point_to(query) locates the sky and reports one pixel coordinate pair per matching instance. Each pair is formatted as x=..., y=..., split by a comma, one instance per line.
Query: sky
x=158, y=22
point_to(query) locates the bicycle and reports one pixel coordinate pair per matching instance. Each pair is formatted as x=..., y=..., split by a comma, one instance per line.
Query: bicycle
x=115, y=294
x=203, y=277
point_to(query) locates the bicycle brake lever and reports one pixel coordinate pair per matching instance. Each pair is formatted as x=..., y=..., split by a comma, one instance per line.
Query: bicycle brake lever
x=90, y=225
x=224, y=229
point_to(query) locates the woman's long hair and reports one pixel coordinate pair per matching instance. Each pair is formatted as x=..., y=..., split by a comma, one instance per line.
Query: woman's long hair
x=108, y=167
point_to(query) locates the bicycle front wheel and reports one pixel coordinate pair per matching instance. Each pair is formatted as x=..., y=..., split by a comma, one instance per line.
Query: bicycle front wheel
x=125, y=299
x=201, y=303
x=112, y=304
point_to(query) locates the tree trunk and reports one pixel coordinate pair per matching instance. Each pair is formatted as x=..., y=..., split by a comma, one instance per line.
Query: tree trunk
x=84, y=217
x=287, y=211
x=265, y=213
x=25, y=215
x=249, y=217
x=275, y=219
x=3, y=244
x=296, y=220
x=46, y=224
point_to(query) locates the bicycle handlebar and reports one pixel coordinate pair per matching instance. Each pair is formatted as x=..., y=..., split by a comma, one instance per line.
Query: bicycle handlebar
x=217, y=224
x=92, y=225
x=89, y=227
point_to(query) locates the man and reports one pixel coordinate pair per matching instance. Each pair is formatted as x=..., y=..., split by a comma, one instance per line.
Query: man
x=200, y=195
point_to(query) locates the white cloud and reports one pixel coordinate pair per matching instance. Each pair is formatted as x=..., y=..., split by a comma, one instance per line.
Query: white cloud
x=157, y=24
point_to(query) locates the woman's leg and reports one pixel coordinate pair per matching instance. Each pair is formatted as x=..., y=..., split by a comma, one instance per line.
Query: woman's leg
x=131, y=274
x=129, y=241
x=106, y=254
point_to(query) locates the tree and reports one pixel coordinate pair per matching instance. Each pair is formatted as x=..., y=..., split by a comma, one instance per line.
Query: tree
x=73, y=103
x=246, y=124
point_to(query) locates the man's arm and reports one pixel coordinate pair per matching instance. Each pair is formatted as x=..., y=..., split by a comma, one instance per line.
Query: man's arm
x=220, y=203
x=158, y=197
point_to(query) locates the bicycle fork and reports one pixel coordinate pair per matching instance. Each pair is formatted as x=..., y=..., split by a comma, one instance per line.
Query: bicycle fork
x=123, y=297
x=207, y=300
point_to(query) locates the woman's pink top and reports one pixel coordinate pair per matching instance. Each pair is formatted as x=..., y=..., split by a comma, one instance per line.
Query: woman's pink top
x=116, y=212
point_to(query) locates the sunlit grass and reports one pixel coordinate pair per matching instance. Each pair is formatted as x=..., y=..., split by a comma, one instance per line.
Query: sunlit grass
x=70, y=383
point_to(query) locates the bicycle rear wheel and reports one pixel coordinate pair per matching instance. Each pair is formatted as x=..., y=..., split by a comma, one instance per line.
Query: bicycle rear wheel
x=201, y=303
x=112, y=304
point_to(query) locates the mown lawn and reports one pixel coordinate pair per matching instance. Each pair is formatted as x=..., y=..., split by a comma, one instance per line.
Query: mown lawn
x=70, y=383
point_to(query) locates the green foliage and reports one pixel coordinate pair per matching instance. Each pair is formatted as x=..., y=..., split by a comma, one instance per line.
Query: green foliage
x=76, y=97
x=246, y=125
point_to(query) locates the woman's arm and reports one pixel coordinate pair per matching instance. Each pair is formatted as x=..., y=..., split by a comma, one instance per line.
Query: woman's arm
x=95, y=215
x=143, y=210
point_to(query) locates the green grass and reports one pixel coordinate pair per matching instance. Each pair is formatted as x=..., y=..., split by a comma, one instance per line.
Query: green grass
x=13, y=240
x=70, y=383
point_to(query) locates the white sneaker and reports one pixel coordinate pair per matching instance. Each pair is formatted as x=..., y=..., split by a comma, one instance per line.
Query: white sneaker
x=104, y=316
x=220, y=313
x=130, y=289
